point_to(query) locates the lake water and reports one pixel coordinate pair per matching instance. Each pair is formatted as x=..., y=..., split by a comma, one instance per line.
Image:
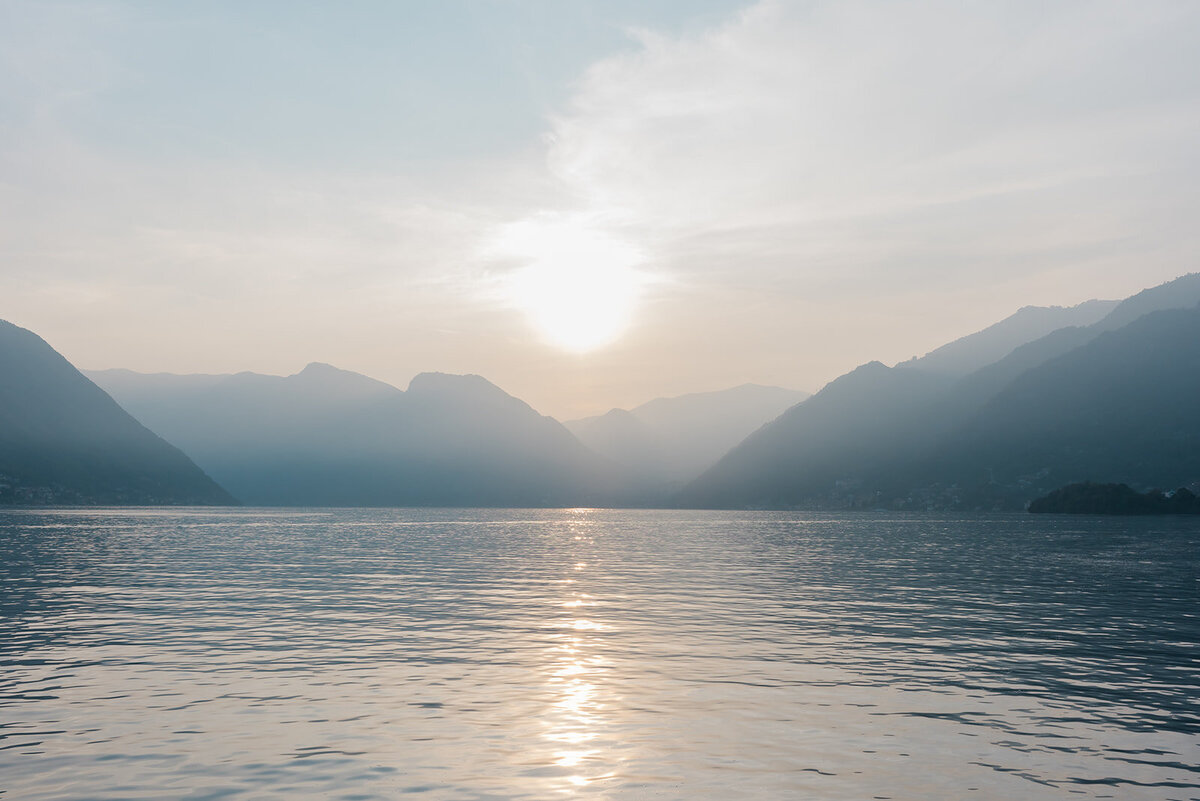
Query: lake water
x=551, y=654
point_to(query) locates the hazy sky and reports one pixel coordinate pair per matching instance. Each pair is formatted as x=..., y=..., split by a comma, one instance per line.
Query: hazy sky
x=589, y=203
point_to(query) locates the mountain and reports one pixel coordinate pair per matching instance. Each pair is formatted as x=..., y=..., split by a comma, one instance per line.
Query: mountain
x=965, y=355
x=1122, y=408
x=980, y=386
x=910, y=438
x=64, y=441
x=669, y=441
x=814, y=450
x=329, y=437
x=1182, y=293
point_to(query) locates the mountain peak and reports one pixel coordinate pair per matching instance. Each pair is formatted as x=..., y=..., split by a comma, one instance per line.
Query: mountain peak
x=874, y=367
x=335, y=379
x=434, y=383
x=318, y=368
x=469, y=389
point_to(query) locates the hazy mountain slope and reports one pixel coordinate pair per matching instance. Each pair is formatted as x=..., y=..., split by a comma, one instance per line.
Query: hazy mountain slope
x=965, y=355
x=907, y=429
x=63, y=440
x=1181, y=293
x=214, y=416
x=989, y=377
x=983, y=384
x=626, y=440
x=870, y=414
x=1122, y=408
x=671, y=440
x=331, y=437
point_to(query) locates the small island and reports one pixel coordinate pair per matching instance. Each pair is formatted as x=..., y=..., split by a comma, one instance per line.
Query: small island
x=1116, y=499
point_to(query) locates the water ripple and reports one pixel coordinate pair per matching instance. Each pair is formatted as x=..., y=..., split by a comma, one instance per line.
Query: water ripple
x=463, y=654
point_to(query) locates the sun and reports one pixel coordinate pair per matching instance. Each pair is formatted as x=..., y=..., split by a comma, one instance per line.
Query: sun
x=577, y=284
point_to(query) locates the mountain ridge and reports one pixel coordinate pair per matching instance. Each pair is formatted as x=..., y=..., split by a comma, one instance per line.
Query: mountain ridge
x=973, y=351
x=851, y=446
x=351, y=440
x=64, y=440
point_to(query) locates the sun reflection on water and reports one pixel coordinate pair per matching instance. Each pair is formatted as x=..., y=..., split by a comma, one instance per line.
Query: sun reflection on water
x=577, y=717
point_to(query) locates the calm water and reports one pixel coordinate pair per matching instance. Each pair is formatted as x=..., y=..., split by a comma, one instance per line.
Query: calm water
x=457, y=654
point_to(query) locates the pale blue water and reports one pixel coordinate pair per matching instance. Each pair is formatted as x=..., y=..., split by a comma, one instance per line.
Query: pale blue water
x=450, y=654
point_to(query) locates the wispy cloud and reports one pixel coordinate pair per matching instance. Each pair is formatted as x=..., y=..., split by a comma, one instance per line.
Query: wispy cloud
x=916, y=138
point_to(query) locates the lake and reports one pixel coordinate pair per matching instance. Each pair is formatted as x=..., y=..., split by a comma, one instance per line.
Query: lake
x=555, y=654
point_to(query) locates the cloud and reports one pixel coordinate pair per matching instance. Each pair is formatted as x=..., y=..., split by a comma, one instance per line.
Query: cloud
x=801, y=188
x=913, y=142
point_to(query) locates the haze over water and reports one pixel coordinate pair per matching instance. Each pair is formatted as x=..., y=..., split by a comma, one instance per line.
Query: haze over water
x=485, y=654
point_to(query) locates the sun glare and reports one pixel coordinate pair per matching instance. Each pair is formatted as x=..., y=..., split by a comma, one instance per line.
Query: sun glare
x=577, y=284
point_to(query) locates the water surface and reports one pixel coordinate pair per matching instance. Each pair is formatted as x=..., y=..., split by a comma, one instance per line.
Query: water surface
x=483, y=654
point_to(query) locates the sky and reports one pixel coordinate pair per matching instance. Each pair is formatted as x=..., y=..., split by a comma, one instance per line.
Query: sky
x=591, y=203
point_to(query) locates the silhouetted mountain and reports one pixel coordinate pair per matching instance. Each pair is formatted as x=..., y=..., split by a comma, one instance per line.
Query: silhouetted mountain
x=64, y=441
x=626, y=440
x=968, y=354
x=980, y=386
x=1121, y=408
x=672, y=440
x=1181, y=293
x=328, y=437
x=815, y=448
x=1104, y=398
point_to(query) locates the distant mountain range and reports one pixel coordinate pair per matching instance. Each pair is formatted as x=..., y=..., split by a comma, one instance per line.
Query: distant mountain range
x=64, y=441
x=1105, y=392
x=1115, y=400
x=669, y=441
x=329, y=437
